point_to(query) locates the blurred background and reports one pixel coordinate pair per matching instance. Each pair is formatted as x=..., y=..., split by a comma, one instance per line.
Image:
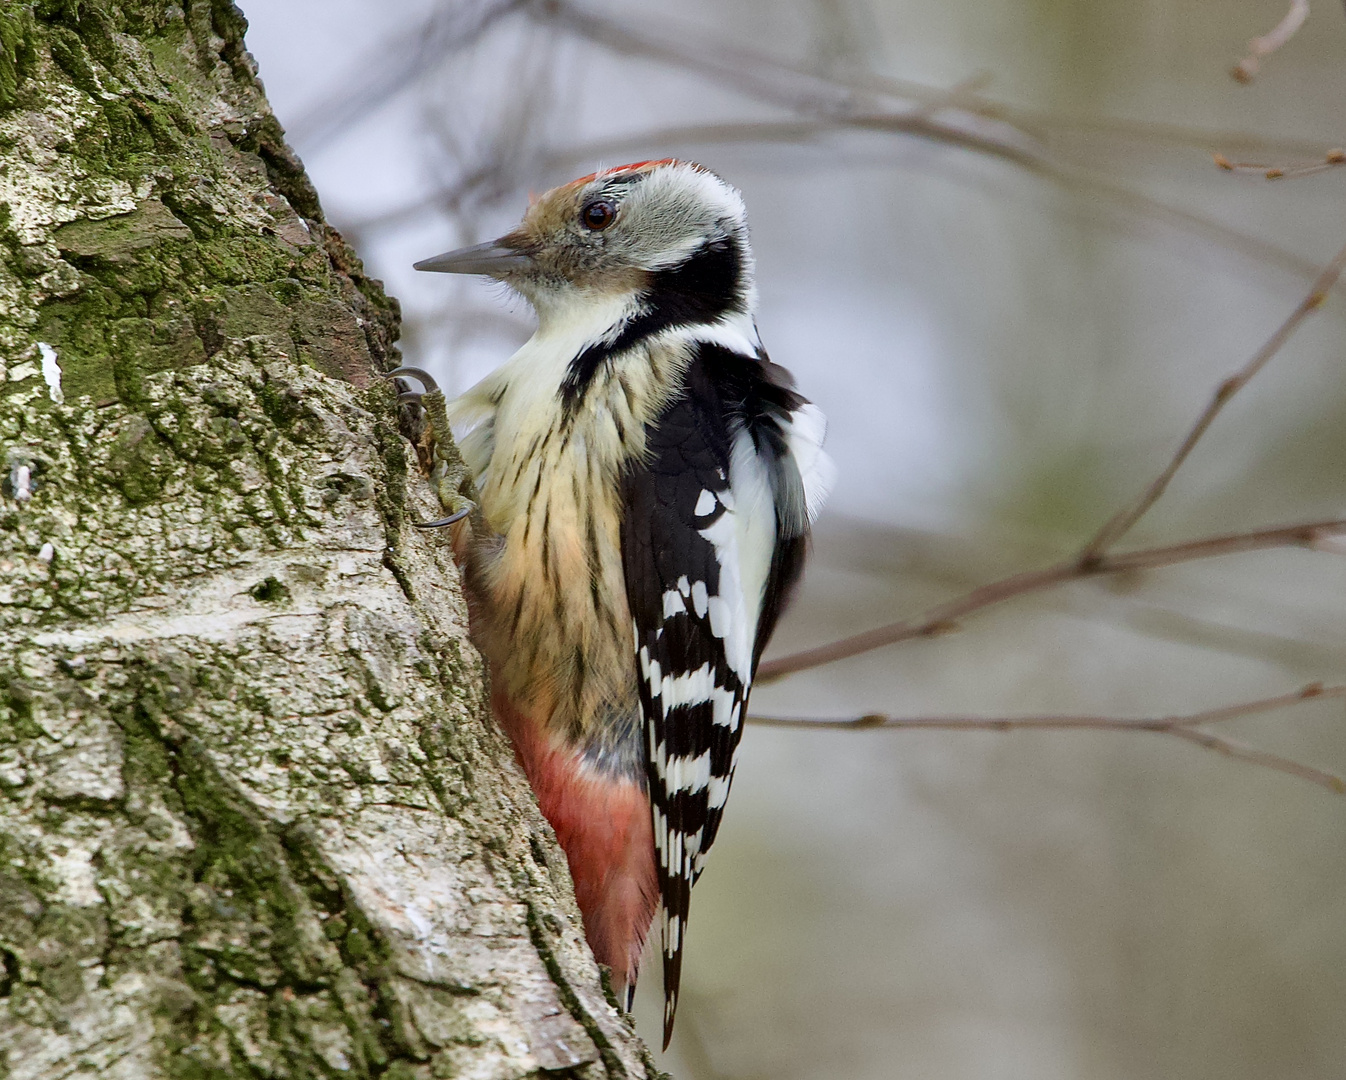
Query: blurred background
x=994, y=247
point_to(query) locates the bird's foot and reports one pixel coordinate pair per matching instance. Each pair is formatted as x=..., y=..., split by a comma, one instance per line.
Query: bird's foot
x=448, y=472
x=430, y=398
x=453, y=485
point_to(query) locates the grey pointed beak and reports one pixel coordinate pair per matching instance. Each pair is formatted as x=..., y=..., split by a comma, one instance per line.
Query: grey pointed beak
x=493, y=258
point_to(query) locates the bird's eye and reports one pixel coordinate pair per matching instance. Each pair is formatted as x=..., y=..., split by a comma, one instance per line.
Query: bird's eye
x=598, y=214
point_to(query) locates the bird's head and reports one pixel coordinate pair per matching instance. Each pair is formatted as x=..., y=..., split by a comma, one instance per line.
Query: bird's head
x=668, y=234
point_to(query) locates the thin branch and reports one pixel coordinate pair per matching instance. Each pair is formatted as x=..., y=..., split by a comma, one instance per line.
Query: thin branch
x=1331, y=160
x=1122, y=522
x=768, y=78
x=1243, y=752
x=1048, y=126
x=1261, y=47
x=968, y=119
x=1189, y=727
x=1064, y=721
x=808, y=89
x=943, y=618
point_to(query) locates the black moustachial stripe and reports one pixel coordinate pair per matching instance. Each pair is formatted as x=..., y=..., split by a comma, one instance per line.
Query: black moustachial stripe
x=673, y=555
x=702, y=288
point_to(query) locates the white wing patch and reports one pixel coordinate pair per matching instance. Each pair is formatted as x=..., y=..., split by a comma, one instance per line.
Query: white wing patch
x=744, y=539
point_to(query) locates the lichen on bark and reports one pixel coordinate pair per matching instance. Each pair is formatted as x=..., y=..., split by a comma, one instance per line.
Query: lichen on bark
x=254, y=817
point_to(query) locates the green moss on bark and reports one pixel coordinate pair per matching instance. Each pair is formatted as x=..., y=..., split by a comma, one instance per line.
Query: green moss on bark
x=18, y=53
x=210, y=234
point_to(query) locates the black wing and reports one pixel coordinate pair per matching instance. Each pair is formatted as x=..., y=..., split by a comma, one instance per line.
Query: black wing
x=697, y=638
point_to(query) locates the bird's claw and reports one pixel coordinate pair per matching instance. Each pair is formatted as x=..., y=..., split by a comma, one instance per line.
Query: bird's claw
x=452, y=519
x=448, y=473
x=419, y=374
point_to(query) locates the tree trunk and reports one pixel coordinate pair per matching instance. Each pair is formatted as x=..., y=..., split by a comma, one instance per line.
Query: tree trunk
x=255, y=819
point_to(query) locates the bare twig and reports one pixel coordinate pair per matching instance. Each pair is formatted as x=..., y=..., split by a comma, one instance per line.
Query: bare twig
x=1261, y=47
x=756, y=74
x=836, y=92
x=944, y=617
x=1243, y=752
x=1330, y=160
x=1122, y=522
x=1052, y=126
x=1189, y=727
x=1064, y=720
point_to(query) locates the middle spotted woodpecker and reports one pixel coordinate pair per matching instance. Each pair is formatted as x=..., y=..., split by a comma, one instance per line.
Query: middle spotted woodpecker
x=646, y=481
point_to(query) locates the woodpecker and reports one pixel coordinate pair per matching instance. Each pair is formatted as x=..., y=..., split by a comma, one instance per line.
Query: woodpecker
x=646, y=479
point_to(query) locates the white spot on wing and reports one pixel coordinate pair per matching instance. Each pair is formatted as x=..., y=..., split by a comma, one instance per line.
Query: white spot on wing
x=658, y=753
x=676, y=856
x=688, y=773
x=689, y=688
x=721, y=617
x=705, y=503
x=725, y=712
x=674, y=934
x=661, y=835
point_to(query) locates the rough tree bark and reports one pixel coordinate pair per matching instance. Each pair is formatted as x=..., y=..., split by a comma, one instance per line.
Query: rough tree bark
x=254, y=817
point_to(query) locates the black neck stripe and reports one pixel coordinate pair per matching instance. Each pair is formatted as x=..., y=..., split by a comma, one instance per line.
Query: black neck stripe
x=702, y=288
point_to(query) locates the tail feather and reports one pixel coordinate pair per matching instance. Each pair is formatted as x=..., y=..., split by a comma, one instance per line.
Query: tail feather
x=672, y=935
x=675, y=870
